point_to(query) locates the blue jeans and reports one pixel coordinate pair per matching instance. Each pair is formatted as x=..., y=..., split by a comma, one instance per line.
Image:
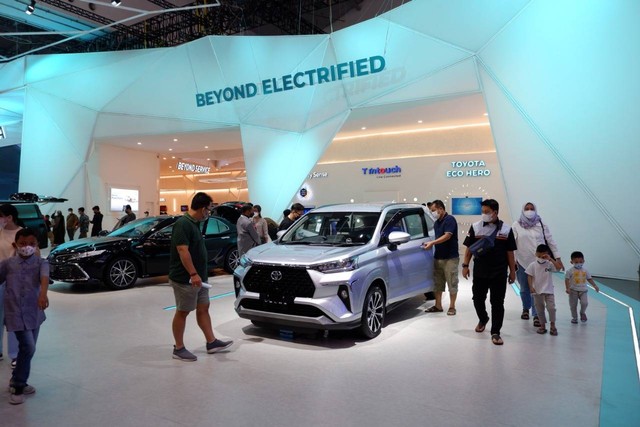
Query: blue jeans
x=525, y=293
x=26, y=349
x=12, y=342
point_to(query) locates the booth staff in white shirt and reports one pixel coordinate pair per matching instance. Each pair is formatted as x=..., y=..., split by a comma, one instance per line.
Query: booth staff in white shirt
x=529, y=232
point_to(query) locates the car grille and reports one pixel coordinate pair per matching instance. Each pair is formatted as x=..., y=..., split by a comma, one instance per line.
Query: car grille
x=279, y=282
x=67, y=272
x=292, y=309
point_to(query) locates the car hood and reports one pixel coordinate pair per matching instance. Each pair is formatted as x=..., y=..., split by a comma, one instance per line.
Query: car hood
x=272, y=253
x=88, y=244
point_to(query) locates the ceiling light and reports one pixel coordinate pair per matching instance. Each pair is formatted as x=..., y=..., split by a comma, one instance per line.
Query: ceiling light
x=419, y=121
x=173, y=157
x=139, y=143
x=208, y=160
x=31, y=8
x=175, y=139
x=206, y=146
x=116, y=3
x=363, y=128
x=485, y=114
x=170, y=149
x=164, y=158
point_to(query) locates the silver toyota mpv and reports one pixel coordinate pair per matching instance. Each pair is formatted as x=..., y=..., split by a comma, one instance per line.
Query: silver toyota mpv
x=338, y=267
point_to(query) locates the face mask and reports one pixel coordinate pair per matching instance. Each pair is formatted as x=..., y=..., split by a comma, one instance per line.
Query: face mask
x=3, y=222
x=487, y=217
x=434, y=215
x=26, y=251
x=578, y=265
x=530, y=214
x=541, y=260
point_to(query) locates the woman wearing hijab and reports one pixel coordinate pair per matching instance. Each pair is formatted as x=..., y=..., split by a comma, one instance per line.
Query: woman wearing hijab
x=530, y=232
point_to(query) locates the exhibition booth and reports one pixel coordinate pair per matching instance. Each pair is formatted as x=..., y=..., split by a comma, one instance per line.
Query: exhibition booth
x=282, y=119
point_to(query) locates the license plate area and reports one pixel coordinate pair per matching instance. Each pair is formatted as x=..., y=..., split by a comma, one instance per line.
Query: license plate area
x=276, y=299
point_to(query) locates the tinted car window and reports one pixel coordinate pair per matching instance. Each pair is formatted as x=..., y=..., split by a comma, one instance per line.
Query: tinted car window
x=216, y=227
x=414, y=226
x=27, y=211
x=333, y=227
x=136, y=228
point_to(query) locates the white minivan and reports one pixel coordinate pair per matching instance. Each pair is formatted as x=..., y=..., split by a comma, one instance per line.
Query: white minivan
x=338, y=267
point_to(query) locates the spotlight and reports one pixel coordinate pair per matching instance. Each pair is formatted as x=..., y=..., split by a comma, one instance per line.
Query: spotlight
x=116, y=3
x=31, y=8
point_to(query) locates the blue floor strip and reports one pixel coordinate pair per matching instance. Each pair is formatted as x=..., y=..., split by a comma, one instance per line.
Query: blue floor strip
x=620, y=390
x=620, y=393
x=173, y=307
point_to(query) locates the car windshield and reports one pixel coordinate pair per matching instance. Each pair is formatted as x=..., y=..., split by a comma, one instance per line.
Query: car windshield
x=136, y=228
x=332, y=229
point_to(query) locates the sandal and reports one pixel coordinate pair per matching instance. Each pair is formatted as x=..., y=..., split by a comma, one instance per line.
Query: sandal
x=480, y=327
x=451, y=312
x=536, y=321
x=542, y=330
x=495, y=338
x=553, y=331
x=433, y=309
x=525, y=315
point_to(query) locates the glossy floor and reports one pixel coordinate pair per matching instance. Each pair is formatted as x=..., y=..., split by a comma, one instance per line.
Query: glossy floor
x=104, y=359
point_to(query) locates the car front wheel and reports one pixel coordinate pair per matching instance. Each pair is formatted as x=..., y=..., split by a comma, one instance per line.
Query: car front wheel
x=231, y=261
x=373, y=312
x=121, y=273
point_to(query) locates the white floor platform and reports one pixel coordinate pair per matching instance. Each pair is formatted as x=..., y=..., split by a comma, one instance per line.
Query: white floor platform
x=104, y=359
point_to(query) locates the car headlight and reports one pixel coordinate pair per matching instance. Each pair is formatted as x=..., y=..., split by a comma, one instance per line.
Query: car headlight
x=80, y=255
x=245, y=261
x=347, y=264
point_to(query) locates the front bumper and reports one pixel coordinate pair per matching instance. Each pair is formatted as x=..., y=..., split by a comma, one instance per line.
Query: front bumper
x=300, y=298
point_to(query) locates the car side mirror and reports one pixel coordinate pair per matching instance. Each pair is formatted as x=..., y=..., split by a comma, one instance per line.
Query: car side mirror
x=398, y=237
x=103, y=233
x=280, y=233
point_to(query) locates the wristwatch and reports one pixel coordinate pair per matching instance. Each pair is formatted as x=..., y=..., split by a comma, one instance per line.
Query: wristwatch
x=465, y=265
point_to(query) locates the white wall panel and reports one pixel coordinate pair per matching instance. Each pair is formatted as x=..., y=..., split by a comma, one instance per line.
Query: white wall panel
x=459, y=78
x=464, y=23
x=409, y=55
x=575, y=95
x=277, y=161
x=12, y=75
x=56, y=140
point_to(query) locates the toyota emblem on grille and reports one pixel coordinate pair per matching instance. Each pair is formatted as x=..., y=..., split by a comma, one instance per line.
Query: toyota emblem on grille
x=276, y=275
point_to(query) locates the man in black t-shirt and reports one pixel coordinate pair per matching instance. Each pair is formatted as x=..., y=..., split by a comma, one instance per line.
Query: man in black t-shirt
x=490, y=268
x=297, y=210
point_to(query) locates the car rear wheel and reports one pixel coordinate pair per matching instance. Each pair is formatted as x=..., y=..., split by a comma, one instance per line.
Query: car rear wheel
x=232, y=260
x=373, y=312
x=121, y=273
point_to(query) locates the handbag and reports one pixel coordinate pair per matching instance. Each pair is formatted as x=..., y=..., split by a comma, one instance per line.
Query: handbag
x=485, y=243
x=547, y=243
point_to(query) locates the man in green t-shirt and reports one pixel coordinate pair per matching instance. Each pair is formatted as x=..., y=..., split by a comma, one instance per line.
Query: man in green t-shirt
x=188, y=277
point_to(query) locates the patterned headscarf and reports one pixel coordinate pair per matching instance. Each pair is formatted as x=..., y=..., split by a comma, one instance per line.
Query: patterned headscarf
x=526, y=222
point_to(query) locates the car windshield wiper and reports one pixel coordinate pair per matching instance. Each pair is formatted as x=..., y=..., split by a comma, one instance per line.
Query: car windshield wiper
x=297, y=242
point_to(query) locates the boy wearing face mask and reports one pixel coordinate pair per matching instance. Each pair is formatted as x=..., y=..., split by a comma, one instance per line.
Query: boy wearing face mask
x=575, y=282
x=27, y=281
x=541, y=285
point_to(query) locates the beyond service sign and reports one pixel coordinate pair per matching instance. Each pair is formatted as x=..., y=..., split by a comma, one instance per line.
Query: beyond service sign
x=344, y=70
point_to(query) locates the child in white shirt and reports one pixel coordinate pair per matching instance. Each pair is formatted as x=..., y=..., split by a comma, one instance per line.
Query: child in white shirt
x=541, y=286
x=575, y=282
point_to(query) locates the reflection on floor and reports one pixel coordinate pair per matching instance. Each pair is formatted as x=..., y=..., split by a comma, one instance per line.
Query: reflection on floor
x=104, y=359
